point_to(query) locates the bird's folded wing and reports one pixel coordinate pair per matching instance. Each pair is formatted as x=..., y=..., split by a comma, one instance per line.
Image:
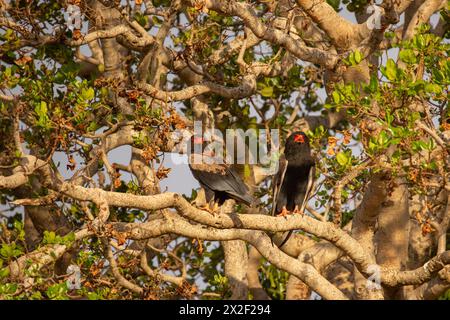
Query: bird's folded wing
x=277, y=181
x=309, y=187
x=220, y=177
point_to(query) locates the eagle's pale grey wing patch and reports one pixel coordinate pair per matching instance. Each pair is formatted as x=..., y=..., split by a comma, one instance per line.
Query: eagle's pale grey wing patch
x=277, y=181
x=309, y=188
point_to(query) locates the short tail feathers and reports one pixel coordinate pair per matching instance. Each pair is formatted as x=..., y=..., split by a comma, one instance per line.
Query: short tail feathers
x=246, y=198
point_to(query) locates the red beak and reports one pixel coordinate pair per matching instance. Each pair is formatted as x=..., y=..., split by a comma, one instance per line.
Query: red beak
x=299, y=138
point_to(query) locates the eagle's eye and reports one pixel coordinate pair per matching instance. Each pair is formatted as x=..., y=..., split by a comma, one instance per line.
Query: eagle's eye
x=299, y=138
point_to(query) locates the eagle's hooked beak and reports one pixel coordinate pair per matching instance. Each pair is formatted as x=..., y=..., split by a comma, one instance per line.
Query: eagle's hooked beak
x=299, y=138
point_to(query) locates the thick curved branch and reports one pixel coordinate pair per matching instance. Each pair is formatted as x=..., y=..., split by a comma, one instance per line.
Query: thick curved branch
x=325, y=230
x=250, y=19
x=260, y=240
x=341, y=31
x=28, y=165
x=422, y=15
x=431, y=290
x=103, y=34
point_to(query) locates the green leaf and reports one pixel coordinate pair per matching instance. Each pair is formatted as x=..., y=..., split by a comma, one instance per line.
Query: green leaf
x=93, y=296
x=389, y=117
x=57, y=291
x=335, y=4
x=267, y=92
x=419, y=41
x=373, y=85
x=391, y=70
x=92, y=126
x=8, y=72
x=36, y=296
x=419, y=145
x=8, y=288
x=142, y=19
x=41, y=111
x=18, y=226
x=68, y=238
x=389, y=35
x=408, y=56
x=50, y=237
x=358, y=56
x=354, y=58
x=336, y=97
x=342, y=158
x=156, y=21
x=4, y=272
x=383, y=138
x=8, y=251
x=87, y=94
x=351, y=59
x=433, y=88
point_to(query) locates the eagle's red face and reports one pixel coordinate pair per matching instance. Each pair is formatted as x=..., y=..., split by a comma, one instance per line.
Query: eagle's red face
x=299, y=138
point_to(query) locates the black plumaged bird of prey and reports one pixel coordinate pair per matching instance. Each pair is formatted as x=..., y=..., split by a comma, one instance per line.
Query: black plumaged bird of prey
x=293, y=183
x=220, y=181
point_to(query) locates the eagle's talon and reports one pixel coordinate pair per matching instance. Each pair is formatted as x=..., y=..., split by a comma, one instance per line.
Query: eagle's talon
x=284, y=212
x=297, y=211
x=215, y=208
x=207, y=208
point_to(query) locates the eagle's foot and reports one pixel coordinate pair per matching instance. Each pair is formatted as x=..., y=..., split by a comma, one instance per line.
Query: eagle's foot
x=297, y=210
x=215, y=208
x=284, y=212
x=207, y=208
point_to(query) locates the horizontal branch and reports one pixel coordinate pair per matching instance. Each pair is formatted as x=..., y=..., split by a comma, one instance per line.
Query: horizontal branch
x=246, y=89
x=28, y=165
x=324, y=230
x=432, y=289
x=143, y=41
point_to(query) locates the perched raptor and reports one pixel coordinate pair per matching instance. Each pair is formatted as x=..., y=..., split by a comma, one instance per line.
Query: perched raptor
x=220, y=181
x=293, y=183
